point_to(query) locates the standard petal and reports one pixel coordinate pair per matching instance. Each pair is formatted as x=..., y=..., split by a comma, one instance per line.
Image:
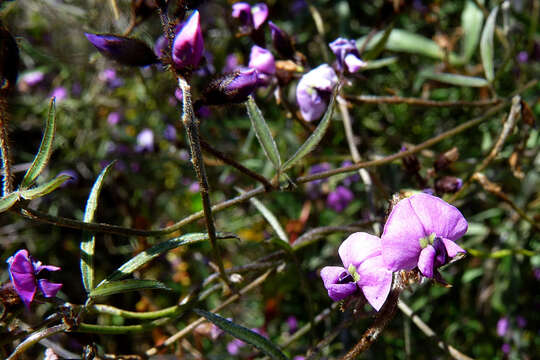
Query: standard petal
x=452, y=248
x=331, y=274
x=438, y=216
x=49, y=289
x=358, y=247
x=426, y=261
x=375, y=281
x=400, y=238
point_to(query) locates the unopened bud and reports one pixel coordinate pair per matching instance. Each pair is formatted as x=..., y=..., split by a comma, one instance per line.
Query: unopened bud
x=448, y=184
x=188, y=45
x=282, y=41
x=231, y=88
x=410, y=162
x=446, y=158
x=125, y=50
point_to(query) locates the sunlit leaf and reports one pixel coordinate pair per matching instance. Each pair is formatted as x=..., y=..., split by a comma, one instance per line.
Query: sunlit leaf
x=459, y=80
x=45, y=149
x=244, y=334
x=8, y=201
x=378, y=47
x=379, y=63
x=262, y=131
x=45, y=188
x=122, y=286
x=486, y=45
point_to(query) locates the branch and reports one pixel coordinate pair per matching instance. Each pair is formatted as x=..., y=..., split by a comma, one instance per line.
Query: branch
x=373, y=99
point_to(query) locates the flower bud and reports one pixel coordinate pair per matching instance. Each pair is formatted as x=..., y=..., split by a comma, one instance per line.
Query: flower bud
x=445, y=159
x=188, y=45
x=231, y=88
x=9, y=60
x=250, y=17
x=410, y=162
x=281, y=41
x=448, y=184
x=314, y=90
x=347, y=55
x=125, y=50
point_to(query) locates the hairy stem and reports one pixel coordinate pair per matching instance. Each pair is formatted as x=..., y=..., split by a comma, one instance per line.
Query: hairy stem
x=7, y=176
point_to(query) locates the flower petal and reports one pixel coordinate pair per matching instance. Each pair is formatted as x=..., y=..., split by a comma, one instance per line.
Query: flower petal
x=260, y=14
x=426, y=261
x=375, y=281
x=452, y=248
x=49, y=289
x=354, y=63
x=330, y=276
x=358, y=247
x=22, y=276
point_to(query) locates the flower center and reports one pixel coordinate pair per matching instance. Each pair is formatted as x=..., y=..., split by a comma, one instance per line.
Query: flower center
x=355, y=275
x=428, y=240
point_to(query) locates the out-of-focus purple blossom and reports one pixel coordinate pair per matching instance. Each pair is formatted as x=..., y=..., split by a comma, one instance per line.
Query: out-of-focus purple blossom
x=248, y=16
x=203, y=112
x=363, y=269
x=231, y=88
x=522, y=57
x=428, y=191
x=339, y=199
x=127, y=51
x=23, y=271
x=170, y=133
x=32, y=78
x=521, y=321
x=536, y=273
x=347, y=55
x=263, y=61
x=232, y=63
x=233, y=347
x=349, y=180
x=145, y=141
x=319, y=168
x=299, y=357
x=73, y=177
x=114, y=118
x=506, y=348
x=188, y=45
x=178, y=94
x=421, y=231
x=448, y=184
x=292, y=323
x=502, y=326
x=314, y=91
x=135, y=167
x=60, y=94
x=194, y=187
x=298, y=6
x=281, y=41
x=109, y=77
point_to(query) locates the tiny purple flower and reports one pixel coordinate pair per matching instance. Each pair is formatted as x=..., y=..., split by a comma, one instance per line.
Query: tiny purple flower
x=178, y=94
x=420, y=232
x=349, y=180
x=292, y=323
x=109, y=77
x=188, y=45
x=347, y=55
x=60, y=94
x=233, y=347
x=23, y=271
x=262, y=60
x=145, y=140
x=522, y=57
x=242, y=12
x=314, y=90
x=521, y=321
x=32, y=78
x=506, y=348
x=339, y=199
x=114, y=118
x=363, y=268
x=170, y=133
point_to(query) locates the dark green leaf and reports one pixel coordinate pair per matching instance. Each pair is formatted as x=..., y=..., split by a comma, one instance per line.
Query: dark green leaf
x=45, y=149
x=44, y=189
x=486, y=45
x=8, y=201
x=378, y=47
x=244, y=334
x=459, y=80
x=122, y=286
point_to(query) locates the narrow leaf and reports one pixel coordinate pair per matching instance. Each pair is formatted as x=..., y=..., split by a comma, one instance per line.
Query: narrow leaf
x=471, y=23
x=244, y=334
x=486, y=45
x=45, y=188
x=315, y=138
x=379, y=46
x=379, y=63
x=147, y=255
x=45, y=149
x=459, y=80
x=270, y=217
x=8, y=201
x=262, y=131
x=88, y=242
x=117, y=287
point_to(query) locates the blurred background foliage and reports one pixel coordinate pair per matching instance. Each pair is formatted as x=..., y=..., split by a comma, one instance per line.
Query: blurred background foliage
x=103, y=107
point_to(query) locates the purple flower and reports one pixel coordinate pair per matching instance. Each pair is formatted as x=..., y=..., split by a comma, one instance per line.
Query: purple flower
x=522, y=57
x=231, y=88
x=250, y=16
x=281, y=41
x=170, y=133
x=339, y=199
x=23, y=271
x=260, y=14
x=506, y=348
x=314, y=90
x=109, y=77
x=363, y=269
x=521, y=321
x=421, y=232
x=145, y=140
x=114, y=118
x=188, y=45
x=233, y=347
x=262, y=60
x=32, y=78
x=127, y=51
x=347, y=55
x=502, y=326
x=292, y=323
x=59, y=93
x=232, y=63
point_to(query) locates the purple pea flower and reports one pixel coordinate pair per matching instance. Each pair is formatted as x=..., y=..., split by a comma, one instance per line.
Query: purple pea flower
x=114, y=118
x=60, y=94
x=127, y=51
x=263, y=61
x=188, y=45
x=292, y=323
x=32, y=78
x=502, y=326
x=363, y=268
x=170, y=133
x=250, y=17
x=339, y=199
x=314, y=90
x=421, y=232
x=23, y=271
x=347, y=55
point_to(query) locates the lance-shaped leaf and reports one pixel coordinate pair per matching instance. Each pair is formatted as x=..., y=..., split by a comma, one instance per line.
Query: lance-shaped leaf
x=486, y=45
x=471, y=23
x=244, y=334
x=8, y=201
x=379, y=46
x=147, y=255
x=379, y=63
x=315, y=138
x=262, y=131
x=459, y=80
x=45, y=188
x=122, y=286
x=45, y=149
x=88, y=242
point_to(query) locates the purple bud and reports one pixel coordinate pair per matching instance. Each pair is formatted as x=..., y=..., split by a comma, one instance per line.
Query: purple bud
x=314, y=90
x=448, y=184
x=231, y=88
x=521, y=321
x=281, y=41
x=188, y=45
x=262, y=60
x=242, y=12
x=260, y=14
x=347, y=55
x=125, y=50
x=339, y=199
x=59, y=93
x=506, y=348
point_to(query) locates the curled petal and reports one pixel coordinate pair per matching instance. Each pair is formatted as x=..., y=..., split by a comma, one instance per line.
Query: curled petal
x=49, y=289
x=354, y=63
x=452, y=248
x=331, y=276
x=260, y=14
x=426, y=261
x=375, y=281
x=359, y=247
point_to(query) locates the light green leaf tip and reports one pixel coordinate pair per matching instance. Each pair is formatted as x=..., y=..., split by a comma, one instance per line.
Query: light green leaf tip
x=486, y=45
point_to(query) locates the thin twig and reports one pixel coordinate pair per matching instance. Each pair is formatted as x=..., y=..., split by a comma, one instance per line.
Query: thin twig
x=373, y=99
x=34, y=338
x=456, y=354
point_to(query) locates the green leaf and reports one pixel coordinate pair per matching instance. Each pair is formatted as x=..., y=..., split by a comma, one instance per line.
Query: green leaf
x=315, y=138
x=45, y=149
x=459, y=80
x=486, y=45
x=377, y=64
x=45, y=188
x=471, y=23
x=262, y=131
x=8, y=201
x=147, y=255
x=122, y=286
x=378, y=47
x=244, y=334
x=88, y=242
